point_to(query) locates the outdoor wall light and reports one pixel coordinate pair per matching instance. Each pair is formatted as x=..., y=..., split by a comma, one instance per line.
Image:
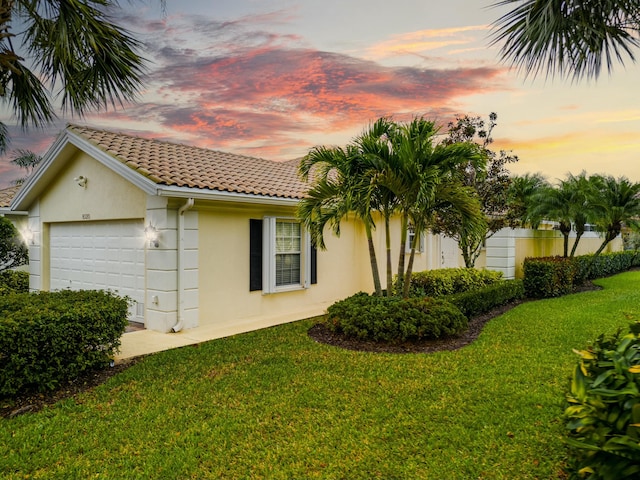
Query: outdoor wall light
x=28, y=236
x=152, y=235
x=81, y=180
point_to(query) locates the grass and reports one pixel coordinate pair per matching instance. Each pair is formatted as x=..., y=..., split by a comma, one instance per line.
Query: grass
x=274, y=404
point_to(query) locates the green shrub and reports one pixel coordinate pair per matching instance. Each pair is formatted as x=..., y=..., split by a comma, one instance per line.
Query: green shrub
x=603, y=416
x=13, y=281
x=607, y=264
x=51, y=337
x=481, y=300
x=448, y=281
x=393, y=319
x=549, y=276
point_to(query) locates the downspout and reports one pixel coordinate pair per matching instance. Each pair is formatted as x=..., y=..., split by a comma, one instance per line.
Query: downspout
x=180, y=294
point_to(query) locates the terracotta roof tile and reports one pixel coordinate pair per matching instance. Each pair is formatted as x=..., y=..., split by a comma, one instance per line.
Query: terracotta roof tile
x=186, y=166
x=7, y=194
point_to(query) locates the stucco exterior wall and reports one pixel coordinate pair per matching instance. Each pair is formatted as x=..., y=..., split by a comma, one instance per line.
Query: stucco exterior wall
x=107, y=196
x=342, y=269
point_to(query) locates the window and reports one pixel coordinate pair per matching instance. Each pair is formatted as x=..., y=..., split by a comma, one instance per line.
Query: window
x=411, y=238
x=288, y=244
x=281, y=255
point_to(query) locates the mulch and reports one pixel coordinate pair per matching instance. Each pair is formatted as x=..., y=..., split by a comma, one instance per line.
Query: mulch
x=33, y=402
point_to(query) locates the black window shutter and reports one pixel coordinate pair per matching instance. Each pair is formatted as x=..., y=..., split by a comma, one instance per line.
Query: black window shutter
x=314, y=265
x=255, y=255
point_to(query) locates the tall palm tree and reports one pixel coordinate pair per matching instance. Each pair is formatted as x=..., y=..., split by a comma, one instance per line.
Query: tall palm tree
x=616, y=202
x=71, y=50
x=340, y=185
x=27, y=161
x=421, y=175
x=581, y=187
x=568, y=37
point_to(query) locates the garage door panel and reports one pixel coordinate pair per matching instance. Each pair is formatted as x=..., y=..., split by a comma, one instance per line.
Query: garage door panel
x=99, y=256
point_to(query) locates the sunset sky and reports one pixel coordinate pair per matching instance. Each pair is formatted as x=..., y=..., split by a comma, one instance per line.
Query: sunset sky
x=273, y=78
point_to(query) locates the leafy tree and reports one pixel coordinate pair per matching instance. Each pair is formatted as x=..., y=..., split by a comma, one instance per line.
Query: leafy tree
x=487, y=176
x=568, y=37
x=67, y=49
x=13, y=251
x=26, y=160
x=616, y=203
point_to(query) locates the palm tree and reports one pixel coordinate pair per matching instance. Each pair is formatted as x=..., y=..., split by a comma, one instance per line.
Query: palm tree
x=421, y=175
x=581, y=188
x=555, y=203
x=519, y=199
x=568, y=37
x=26, y=160
x=616, y=202
x=340, y=185
x=71, y=46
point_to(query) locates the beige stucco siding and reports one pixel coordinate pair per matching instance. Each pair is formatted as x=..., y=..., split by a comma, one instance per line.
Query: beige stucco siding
x=107, y=195
x=342, y=269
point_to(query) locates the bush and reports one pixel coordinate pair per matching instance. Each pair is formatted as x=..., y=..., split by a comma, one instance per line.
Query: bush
x=481, y=300
x=12, y=281
x=52, y=337
x=607, y=264
x=393, y=319
x=549, y=276
x=555, y=276
x=448, y=281
x=603, y=416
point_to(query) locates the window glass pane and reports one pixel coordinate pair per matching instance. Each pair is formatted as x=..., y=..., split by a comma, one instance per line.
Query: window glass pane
x=288, y=244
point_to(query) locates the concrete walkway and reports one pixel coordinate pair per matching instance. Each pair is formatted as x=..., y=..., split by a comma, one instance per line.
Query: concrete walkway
x=144, y=342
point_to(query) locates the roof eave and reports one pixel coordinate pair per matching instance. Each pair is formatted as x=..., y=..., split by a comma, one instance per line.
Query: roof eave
x=35, y=183
x=222, y=196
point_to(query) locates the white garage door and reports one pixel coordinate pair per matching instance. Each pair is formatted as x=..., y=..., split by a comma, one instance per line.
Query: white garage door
x=100, y=256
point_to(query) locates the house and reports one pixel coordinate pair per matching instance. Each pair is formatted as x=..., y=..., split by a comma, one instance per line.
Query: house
x=194, y=237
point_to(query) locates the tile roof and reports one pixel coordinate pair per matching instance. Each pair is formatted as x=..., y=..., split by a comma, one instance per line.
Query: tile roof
x=7, y=194
x=181, y=165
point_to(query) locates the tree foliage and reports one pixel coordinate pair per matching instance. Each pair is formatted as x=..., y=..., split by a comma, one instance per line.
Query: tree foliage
x=568, y=37
x=391, y=169
x=66, y=50
x=13, y=251
x=487, y=177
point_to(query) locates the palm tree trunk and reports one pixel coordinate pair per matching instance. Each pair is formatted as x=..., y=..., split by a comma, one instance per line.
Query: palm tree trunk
x=565, y=245
x=387, y=232
x=374, y=262
x=575, y=244
x=407, y=279
x=403, y=243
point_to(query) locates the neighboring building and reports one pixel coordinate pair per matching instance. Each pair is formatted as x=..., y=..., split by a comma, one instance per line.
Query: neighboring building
x=18, y=218
x=193, y=237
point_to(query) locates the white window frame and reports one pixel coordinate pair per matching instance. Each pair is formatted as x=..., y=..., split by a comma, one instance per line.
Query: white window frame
x=410, y=236
x=269, y=257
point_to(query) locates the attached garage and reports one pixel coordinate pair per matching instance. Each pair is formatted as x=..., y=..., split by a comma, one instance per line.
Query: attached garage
x=105, y=255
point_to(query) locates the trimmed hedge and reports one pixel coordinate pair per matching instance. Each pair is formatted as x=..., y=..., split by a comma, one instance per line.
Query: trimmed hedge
x=549, y=276
x=479, y=301
x=51, y=337
x=394, y=319
x=555, y=276
x=449, y=281
x=14, y=281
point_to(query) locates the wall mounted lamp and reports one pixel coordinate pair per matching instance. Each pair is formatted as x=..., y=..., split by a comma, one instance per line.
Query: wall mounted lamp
x=152, y=235
x=28, y=236
x=81, y=180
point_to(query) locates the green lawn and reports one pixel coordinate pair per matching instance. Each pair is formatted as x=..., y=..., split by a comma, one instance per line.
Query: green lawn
x=274, y=404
